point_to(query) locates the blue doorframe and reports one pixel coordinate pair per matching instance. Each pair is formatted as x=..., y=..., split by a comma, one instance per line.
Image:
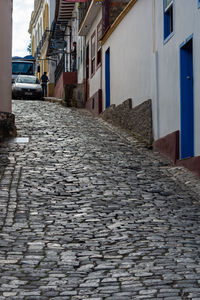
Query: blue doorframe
x=187, y=99
x=107, y=77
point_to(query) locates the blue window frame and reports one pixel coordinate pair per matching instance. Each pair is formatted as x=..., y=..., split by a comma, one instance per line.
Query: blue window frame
x=198, y=3
x=168, y=8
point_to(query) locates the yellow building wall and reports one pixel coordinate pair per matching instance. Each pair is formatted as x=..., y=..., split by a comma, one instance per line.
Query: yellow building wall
x=46, y=17
x=44, y=63
x=33, y=46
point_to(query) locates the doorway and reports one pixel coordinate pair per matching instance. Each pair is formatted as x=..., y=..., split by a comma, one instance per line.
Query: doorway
x=187, y=99
x=107, y=77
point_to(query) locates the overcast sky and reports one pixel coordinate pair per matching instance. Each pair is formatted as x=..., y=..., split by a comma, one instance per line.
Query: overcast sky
x=21, y=17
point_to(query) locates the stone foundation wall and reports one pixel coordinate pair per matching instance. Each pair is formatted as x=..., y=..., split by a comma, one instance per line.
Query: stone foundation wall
x=67, y=97
x=138, y=120
x=7, y=125
x=79, y=95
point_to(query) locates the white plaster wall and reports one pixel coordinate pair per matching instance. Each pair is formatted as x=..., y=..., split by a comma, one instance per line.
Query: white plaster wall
x=131, y=57
x=186, y=23
x=95, y=80
x=81, y=59
x=80, y=53
x=5, y=54
x=52, y=7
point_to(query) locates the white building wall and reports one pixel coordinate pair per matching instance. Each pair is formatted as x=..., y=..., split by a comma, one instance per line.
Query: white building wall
x=95, y=80
x=81, y=59
x=131, y=57
x=186, y=23
x=52, y=7
x=80, y=52
x=5, y=54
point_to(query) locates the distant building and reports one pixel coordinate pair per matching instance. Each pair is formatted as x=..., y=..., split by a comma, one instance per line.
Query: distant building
x=7, y=126
x=40, y=24
x=60, y=46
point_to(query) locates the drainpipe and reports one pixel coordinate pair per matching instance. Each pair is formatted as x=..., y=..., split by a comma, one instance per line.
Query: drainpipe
x=155, y=53
x=157, y=94
x=153, y=23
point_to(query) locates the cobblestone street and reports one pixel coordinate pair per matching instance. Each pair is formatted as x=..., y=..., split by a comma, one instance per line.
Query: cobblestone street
x=87, y=212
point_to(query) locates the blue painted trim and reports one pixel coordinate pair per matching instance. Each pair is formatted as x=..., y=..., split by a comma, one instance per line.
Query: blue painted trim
x=181, y=95
x=107, y=77
x=198, y=3
x=186, y=40
x=166, y=37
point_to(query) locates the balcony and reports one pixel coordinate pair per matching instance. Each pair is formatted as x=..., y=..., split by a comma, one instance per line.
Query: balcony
x=63, y=66
x=63, y=15
x=64, y=11
x=41, y=44
x=83, y=10
x=65, y=77
x=87, y=14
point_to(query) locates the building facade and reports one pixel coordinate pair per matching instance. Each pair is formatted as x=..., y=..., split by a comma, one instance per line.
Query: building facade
x=7, y=121
x=150, y=57
x=177, y=45
x=128, y=68
x=61, y=48
x=40, y=25
x=95, y=18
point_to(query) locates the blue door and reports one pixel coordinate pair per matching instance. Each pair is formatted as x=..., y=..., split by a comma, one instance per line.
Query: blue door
x=187, y=100
x=107, y=77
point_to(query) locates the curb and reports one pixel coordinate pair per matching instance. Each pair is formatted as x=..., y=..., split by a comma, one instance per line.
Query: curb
x=54, y=100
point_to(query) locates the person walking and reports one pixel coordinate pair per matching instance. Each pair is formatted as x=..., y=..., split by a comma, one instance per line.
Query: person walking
x=73, y=56
x=44, y=79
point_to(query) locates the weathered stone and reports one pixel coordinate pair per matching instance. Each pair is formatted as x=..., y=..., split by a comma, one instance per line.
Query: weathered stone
x=137, y=120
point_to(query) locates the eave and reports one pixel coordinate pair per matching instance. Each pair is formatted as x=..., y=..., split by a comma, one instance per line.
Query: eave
x=89, y=18
x=34, y=16
x=63, y=11
x=118, y=21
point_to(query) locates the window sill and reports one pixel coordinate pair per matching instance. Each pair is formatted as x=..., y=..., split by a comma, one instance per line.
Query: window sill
x=98, y=66
x=168, y=38
x=92, y=75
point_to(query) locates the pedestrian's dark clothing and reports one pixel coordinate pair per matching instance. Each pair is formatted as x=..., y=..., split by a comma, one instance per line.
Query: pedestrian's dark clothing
x=44, y=80
x=73, y=53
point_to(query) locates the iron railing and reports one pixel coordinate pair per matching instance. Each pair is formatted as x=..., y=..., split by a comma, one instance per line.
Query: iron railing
x=64, y=65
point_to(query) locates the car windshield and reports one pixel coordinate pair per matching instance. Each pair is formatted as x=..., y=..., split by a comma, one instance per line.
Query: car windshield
x=22, y=68
x=28, y=79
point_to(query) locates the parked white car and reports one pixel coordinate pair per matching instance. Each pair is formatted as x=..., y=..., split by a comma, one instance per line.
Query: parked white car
x=27, y=87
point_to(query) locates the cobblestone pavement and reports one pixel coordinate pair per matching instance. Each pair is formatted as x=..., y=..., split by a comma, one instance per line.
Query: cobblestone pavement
x=87, y=212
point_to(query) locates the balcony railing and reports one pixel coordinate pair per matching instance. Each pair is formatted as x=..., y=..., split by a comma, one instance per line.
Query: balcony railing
x=83, y=10
x=63, y=66
x=41, y=43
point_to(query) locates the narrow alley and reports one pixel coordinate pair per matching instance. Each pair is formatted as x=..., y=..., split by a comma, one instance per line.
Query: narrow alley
x=89, y=213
